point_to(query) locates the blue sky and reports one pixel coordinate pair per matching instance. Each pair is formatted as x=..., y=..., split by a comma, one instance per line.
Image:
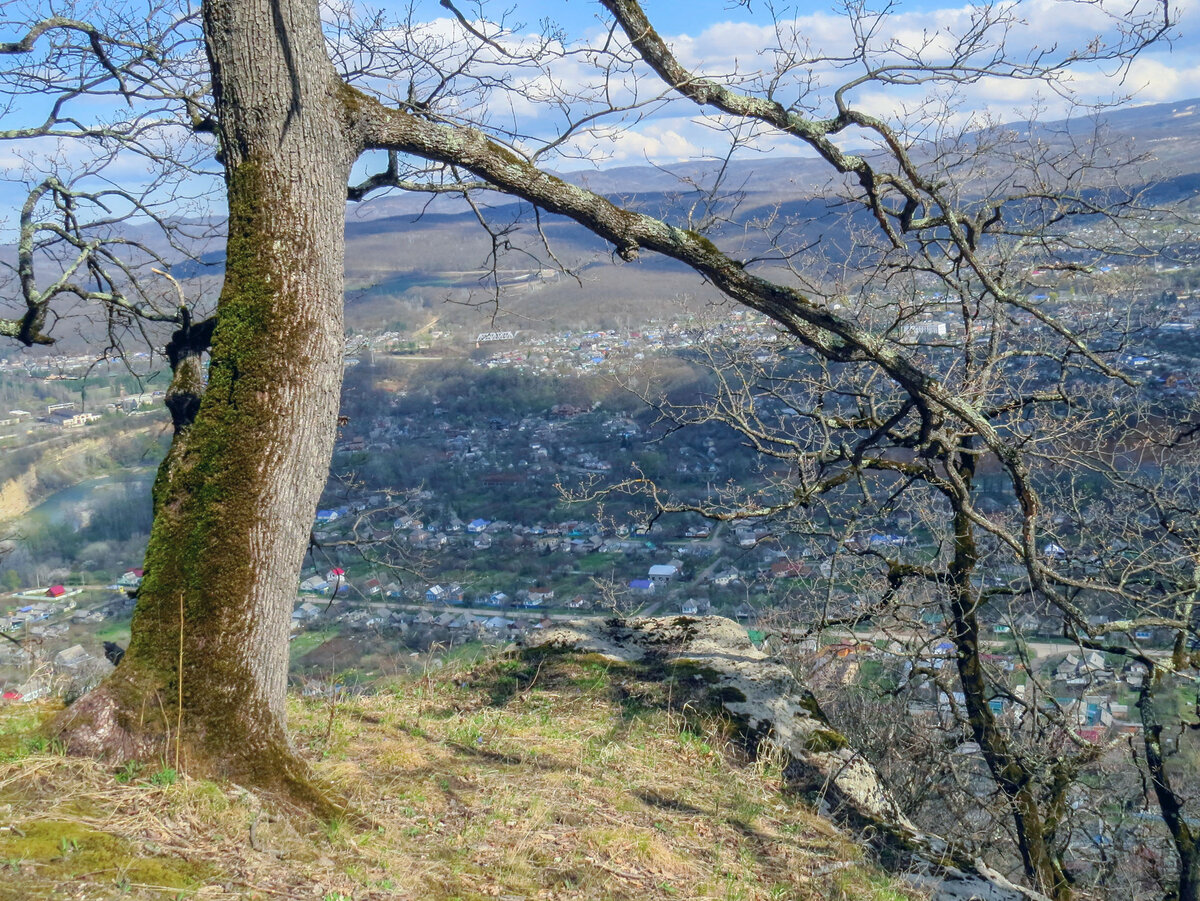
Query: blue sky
x=718, y=37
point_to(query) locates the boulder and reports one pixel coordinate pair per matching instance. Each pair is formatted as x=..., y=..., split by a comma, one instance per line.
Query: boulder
x=768, y=704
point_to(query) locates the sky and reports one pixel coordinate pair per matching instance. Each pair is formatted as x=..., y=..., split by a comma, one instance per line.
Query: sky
x=719, y=37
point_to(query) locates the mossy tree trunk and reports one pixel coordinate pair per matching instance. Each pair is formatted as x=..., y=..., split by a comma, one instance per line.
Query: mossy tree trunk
x=234, y=499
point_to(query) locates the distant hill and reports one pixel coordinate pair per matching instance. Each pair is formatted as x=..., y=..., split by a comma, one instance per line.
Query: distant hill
x=399, y=247
x=1170, y=132
x=411, y=260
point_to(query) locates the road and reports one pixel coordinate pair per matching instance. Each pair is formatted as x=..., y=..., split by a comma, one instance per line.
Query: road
x=1040, y=649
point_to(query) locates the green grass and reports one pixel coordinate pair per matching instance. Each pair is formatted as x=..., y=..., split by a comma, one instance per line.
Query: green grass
x=309, y=641
x=601, y=563
x=563, y=776
x=114, y=630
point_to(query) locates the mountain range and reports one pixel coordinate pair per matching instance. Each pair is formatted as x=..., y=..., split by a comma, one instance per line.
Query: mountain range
x=406, y=254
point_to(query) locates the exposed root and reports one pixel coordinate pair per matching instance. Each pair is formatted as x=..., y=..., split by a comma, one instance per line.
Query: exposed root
x=94, y=726
x=100, y=726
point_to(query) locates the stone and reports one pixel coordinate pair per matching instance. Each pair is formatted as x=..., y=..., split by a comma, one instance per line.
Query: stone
x=769, y=704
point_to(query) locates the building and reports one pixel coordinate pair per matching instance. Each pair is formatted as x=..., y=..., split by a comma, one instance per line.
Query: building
x=663, y=573
x=72, y=658
x=925, y=329
x=539, y=596
x=131, y=578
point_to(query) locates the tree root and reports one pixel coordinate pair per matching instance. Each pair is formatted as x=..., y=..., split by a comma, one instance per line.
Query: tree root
x=94, y=726
x=102, y=725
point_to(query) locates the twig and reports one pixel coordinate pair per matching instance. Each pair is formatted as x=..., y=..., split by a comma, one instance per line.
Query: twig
x=528, y=688
x=254, y=842
x=179, y=710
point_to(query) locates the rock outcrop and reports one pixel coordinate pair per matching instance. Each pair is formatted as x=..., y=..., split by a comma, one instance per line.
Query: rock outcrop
x=768, y=704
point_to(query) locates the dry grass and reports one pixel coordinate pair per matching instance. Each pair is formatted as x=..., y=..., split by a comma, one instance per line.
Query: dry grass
x=481, y=786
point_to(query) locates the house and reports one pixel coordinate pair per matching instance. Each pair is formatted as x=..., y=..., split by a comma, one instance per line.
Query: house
x=1135, y=674
x=476, y=526
x=36, y=687
x=72, y=657
x=745, y=611
x=642, y=586
x=305, y=612
x=32, y=613
x=373, y=586
x=1076, y=670
x=924, y=329
x=55, y=591
x=726, y=578
x=131, y=578
x=1003, y=661
x=336, y=575
x=314, y=585
x=324, y=517
x=539, y=596
x=663, y=573
x=497, y=623
x=789, y=569
x=435, y=593
x=1028, y=623
x=843, y=649
x=68, y=420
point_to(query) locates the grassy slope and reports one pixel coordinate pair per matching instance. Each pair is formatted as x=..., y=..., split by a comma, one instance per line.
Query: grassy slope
x=513, y=781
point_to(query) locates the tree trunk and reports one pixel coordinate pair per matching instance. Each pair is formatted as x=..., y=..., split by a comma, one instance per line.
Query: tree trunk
x=1035, y=837
x=1171, y=806
x=234, y=499
x=1189, y=876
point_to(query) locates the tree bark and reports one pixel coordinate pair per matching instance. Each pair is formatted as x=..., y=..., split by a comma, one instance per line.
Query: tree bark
x=206, y=671
x=1034, y=823
x=1171, y=806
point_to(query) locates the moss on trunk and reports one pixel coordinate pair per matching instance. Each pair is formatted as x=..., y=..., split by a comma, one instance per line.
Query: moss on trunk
x=205, y=674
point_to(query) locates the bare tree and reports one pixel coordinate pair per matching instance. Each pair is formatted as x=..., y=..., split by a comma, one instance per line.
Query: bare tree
x=295, y=101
